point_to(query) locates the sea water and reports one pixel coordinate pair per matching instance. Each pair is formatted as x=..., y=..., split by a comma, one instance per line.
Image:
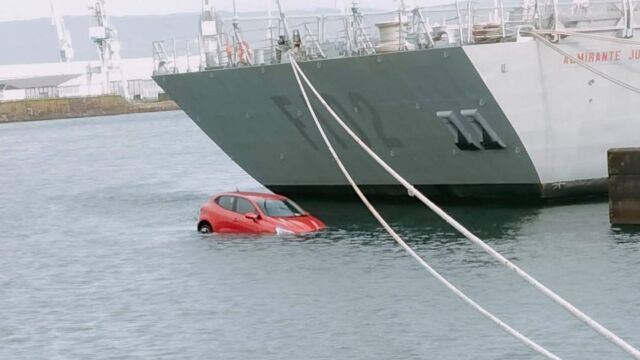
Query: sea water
x=100, y=259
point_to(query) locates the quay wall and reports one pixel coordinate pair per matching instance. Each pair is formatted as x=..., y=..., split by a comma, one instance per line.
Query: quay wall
x=64, y=108
x=624, y=186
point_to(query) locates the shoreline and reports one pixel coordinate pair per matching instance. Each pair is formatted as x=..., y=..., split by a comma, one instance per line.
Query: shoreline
x=69, y=108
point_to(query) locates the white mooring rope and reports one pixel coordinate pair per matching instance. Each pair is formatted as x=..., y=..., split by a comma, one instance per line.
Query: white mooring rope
x=456, y=225
x=557, y=49
x=504, y=326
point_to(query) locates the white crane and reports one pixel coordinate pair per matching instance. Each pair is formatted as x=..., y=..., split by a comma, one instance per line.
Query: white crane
x=64, y=37
x=105, y=37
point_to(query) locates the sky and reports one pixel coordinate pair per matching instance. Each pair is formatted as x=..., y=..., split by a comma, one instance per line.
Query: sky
x=31, y=9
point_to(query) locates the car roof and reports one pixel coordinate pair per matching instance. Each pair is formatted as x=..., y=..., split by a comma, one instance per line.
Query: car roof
x=253, y=195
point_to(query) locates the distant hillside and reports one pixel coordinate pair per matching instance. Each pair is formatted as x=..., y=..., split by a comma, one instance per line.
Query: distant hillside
x=34, y=41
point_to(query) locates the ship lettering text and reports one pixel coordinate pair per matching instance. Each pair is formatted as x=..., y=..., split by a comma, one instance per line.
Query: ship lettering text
x=288, y=109
x=336, y=106
x=283, y=102
x=358, y=101
x=607, y=56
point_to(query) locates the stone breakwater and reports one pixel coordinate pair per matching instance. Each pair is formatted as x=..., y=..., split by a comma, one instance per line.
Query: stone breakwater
x=64, y=108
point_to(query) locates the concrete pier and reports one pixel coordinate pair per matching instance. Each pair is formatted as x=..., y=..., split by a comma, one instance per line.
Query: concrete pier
x=64, y=108
x=624, y=186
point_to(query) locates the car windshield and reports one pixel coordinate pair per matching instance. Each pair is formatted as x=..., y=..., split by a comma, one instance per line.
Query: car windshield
x=280, y=208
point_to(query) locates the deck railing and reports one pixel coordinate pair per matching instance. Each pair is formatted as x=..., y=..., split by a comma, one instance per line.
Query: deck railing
x=463, y=22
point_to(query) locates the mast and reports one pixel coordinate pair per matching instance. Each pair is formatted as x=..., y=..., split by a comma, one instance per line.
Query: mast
x=245, y=56
x=628, y=8
x=401, y=41
x=555, y=19
x=64, y=37
x=360, y=37
x=209, y=37
x=270, y=35
x=283, y=19
x=423, y=29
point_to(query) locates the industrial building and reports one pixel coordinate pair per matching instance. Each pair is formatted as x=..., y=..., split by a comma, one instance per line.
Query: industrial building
x=110, y=75
x=73, y=79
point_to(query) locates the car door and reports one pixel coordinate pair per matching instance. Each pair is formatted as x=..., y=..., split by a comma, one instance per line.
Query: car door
x=244, y=206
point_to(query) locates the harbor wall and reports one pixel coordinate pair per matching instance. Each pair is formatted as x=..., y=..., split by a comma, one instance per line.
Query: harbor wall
x=64, y=108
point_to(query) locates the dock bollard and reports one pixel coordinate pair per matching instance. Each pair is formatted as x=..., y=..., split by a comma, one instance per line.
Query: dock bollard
x=624, y=186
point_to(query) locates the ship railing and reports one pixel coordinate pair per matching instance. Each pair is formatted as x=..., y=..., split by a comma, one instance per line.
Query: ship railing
x=178, y=55
x=476, y=22
x=455, y=24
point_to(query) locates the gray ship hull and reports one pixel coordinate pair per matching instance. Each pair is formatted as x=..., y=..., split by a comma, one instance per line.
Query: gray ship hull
x=430, y=114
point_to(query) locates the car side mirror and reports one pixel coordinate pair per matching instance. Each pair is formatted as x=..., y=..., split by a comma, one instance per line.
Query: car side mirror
x=252, y=216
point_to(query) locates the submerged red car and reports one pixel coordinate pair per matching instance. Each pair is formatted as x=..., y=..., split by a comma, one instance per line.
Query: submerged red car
x=255, y=213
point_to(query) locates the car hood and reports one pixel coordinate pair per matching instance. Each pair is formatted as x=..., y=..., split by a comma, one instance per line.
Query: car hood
x=299, y=224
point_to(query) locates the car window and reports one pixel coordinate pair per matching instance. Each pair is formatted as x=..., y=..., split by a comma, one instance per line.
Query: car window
x=280, y=208
x=226, y=202
x=244, y=206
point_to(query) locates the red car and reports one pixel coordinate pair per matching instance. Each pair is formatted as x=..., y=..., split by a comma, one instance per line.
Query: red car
x=255, y=213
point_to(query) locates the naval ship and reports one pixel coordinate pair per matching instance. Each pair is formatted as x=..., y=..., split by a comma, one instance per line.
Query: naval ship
x=517, y=100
